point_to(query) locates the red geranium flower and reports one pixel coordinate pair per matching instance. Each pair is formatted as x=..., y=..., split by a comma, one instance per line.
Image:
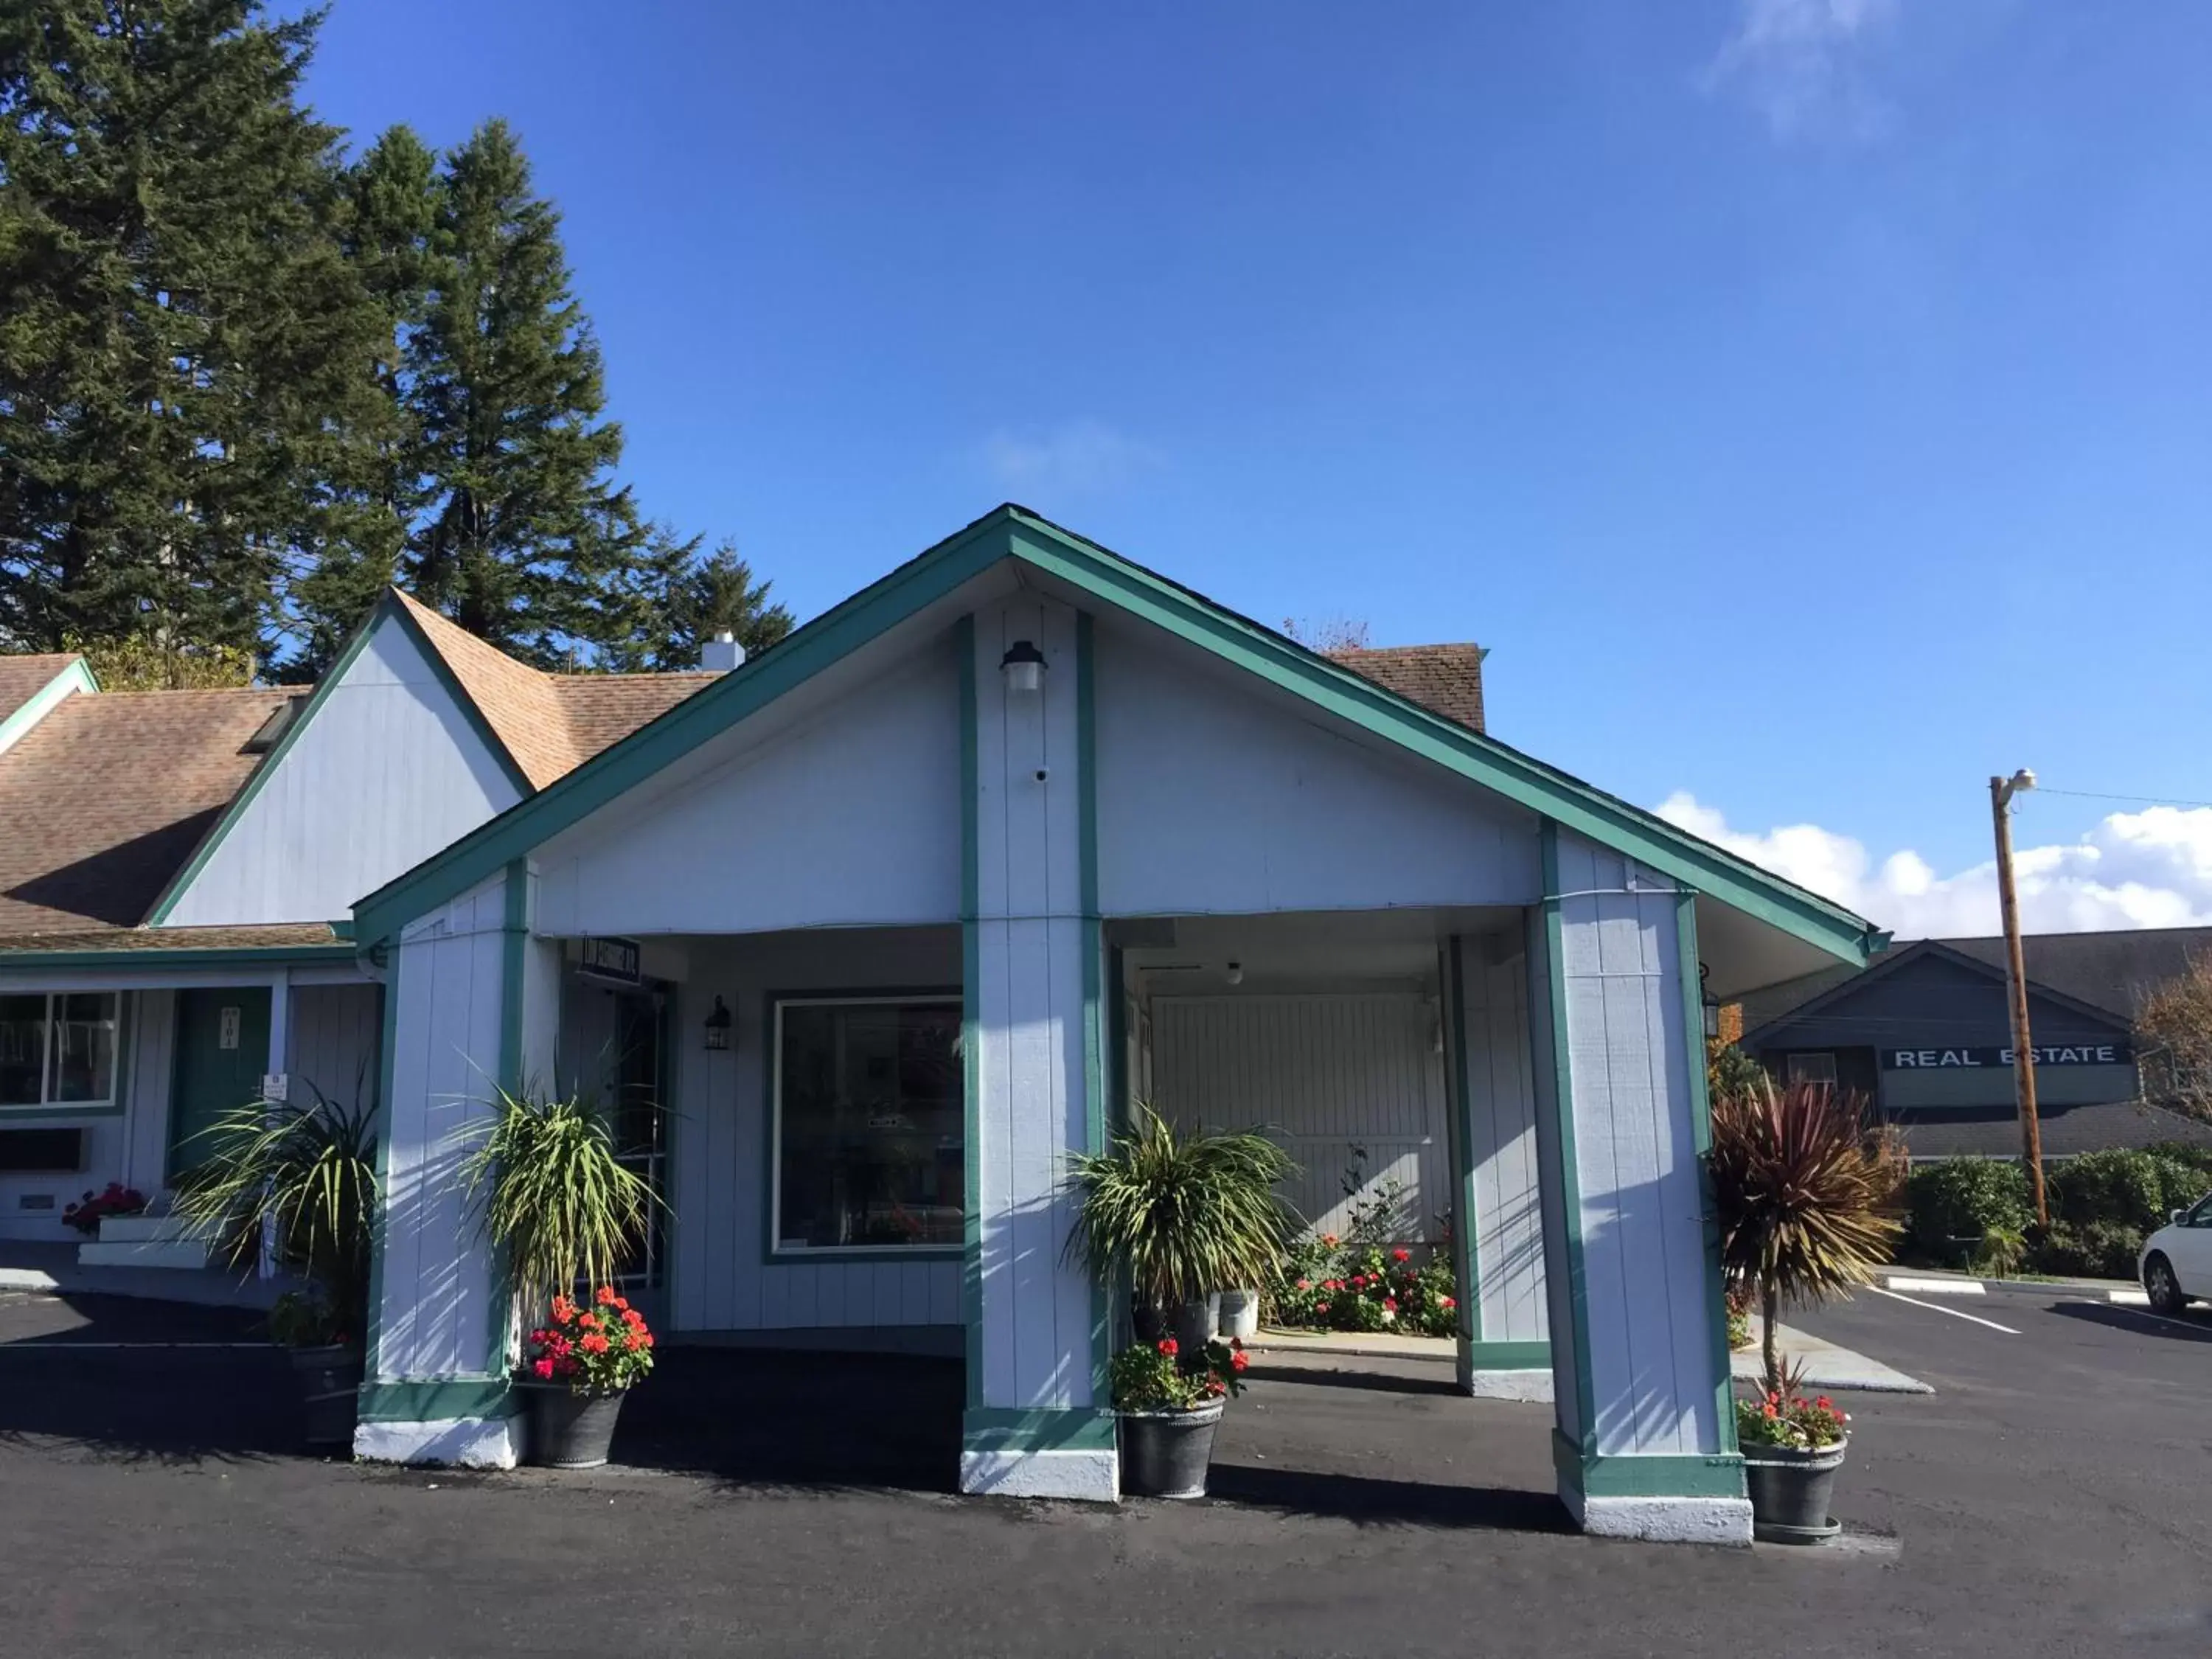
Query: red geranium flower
x=1168, y=1344
x=543, y=1368
x=606, y=1297
x=1401, y=1255
x=595, y=1343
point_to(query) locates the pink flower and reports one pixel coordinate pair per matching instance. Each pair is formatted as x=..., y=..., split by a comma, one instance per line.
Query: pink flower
x=1401, y=1255
x=544, y=1370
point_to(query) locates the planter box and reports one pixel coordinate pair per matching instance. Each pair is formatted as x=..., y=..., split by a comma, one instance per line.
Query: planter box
x=1165, y=1454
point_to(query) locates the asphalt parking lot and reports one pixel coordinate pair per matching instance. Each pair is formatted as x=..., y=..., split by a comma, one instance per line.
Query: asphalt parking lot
x=2049, y=1499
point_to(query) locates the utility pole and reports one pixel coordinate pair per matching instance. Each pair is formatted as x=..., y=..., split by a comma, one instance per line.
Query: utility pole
x=2002, y=790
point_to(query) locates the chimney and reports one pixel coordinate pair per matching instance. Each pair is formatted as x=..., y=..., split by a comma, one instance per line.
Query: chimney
x=722, y=653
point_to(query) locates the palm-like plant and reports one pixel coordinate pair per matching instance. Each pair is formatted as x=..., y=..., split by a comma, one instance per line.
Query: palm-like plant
x=1180, y=1216
x=549, y=1190
x=307, y=1173
x=1799, y=1196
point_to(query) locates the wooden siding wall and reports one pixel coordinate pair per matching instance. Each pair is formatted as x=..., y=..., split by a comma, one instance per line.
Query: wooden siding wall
x=435, y=1317
x=1028, y=1006
x=388, y=772
x=1641, y=1211
x=1323, y=1072
x=1551, y=1144
x=1508, y=1236
x=721, y=1276
x=851, y=818
x=1215, y=797
x=337, y=1033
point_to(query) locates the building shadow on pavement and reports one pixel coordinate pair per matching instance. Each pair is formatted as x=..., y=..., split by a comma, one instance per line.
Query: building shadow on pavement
x=2135, y=1320
x=1346, y=1374
x=1366, y=1500
x=134, y=1381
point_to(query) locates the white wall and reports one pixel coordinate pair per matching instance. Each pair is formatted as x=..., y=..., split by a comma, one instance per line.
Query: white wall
x=849, y=818
x=1508, y=1233
x=719, y=1277
x=435, y=1318
x=1321, y=1071
x=1641, y=1210
x=388, y=772
x=1218, y=795
x=337, y=1031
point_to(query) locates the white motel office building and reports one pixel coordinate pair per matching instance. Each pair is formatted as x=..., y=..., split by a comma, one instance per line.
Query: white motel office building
x=889, y=919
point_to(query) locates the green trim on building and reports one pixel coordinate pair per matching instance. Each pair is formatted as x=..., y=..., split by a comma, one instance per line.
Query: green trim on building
x=1094, y=963
x=385, y=1083
x=1009, y=531
x=1666, y=1474
x=1569, y=1195
x=988, y=1429
x=1511, y=1356
x=440, y=1400
x=156, y=960
x=1466, y=1267
x=971, y=1022
x=1701, y=1139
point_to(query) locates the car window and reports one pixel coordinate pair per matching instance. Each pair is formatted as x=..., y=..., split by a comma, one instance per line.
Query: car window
x=2202, y=1215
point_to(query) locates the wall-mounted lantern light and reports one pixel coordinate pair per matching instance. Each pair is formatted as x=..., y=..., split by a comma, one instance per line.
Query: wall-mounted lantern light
x=1711, y=1002
x=718, y=1026
x=1024, y=667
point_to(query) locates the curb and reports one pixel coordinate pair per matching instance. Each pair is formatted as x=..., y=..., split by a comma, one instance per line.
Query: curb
x=2077, y=1290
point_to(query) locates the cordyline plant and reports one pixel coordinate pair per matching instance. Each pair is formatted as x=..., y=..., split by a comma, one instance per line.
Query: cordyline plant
x=549, y=1190
x=310, y=1171
x=1799, y=1198
x=1180, y=1216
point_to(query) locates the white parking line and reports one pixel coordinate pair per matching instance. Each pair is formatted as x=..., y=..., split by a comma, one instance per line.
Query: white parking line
x=1937, y=1286
x=1937, y=1307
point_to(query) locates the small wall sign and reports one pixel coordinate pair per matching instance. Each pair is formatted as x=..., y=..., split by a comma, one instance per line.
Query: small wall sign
x=227, y=1030
x=276, y=1086
x=2057, y=1054
x=616, y=961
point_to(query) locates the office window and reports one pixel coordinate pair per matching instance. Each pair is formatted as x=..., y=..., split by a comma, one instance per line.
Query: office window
x=58, y=1050
x=1813, y=1068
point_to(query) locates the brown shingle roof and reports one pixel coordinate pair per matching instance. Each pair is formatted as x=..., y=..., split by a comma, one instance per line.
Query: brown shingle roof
x=103, y=800
x=550, y=724
x=262, y=936
x=22, y=677
x=1445, y=679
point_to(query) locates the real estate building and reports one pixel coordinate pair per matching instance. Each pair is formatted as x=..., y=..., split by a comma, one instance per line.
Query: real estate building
x=1924, y=1035
x=896, y=915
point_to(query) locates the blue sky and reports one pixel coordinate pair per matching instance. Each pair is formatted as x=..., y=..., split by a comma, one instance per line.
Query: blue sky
x=1807, y=400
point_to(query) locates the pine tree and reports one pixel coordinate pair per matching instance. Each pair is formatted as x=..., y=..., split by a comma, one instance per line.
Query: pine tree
x=674, y=602
x=181, y=333
x=525, y=539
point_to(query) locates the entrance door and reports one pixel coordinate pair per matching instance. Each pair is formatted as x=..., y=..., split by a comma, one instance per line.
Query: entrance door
x=222, y=1051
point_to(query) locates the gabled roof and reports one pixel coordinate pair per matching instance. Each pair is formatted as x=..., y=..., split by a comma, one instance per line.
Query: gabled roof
x=1447, y=678
x=1904, y=956
x=1110, y=581
x=22, y=677
x=103, y=799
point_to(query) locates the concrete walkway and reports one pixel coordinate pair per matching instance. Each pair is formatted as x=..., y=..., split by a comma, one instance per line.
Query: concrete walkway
x=54, y=1270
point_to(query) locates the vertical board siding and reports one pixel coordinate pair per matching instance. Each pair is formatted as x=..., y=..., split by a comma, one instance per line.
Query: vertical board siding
x=1551, y=1154
x=1642, y=1209
x=336, y=1032
x=1508, y=1238
x=1218, y=795
x=721, y=1276
x=1036, y=1308
x=1321, y=1072
x=152, y=1062
x=389, y=771
x=435, y=1317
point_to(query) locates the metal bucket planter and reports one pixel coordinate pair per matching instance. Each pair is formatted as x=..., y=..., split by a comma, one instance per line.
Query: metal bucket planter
x=1240, y=1315
x=330, y=1392
x=572, y=1431
x=1789, y=1493
x=1165, y=1454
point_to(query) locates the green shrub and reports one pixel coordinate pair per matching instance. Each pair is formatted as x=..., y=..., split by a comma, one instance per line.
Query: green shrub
x=1966, y=1209
x=2114, y=1186
x=2096, y=1250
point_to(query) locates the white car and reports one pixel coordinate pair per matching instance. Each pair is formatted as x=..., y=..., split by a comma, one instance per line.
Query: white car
x=2176, y=1263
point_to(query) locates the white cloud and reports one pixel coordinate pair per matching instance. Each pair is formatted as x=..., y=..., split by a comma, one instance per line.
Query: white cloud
x=1080, y=457
x=1802, y=64
x=2147, y=869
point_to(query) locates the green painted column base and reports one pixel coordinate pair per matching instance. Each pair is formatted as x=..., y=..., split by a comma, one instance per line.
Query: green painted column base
x=1507, y=1356
x=1073, y=1454
x=466, y=1422
x=1666, y=1497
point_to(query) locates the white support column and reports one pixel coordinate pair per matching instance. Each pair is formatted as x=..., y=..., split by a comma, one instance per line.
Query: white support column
x=276, y=1084
x=1035, y=1424
x=1504, y=1348
x=1645, y=1443
x=440, y=1318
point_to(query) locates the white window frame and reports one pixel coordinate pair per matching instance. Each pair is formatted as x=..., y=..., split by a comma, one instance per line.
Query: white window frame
x=777, y=1250
x=46, y=1102
x=1792, y=1074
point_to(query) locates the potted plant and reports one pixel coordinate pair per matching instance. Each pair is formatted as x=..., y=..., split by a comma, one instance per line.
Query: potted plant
x=1175, y=1217
x=554, y=1198
x=113, y=1200
x=306, y=1177
x=1798, y=1198
x=1170, y=1409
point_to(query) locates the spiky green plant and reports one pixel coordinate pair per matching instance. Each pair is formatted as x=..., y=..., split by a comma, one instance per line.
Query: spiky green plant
x=543, y=1178
x=311, y=1170
x=1799, y=1197
x=1180, y=1216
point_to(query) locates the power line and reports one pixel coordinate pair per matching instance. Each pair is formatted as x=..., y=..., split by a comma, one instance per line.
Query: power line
x=2140, y=800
